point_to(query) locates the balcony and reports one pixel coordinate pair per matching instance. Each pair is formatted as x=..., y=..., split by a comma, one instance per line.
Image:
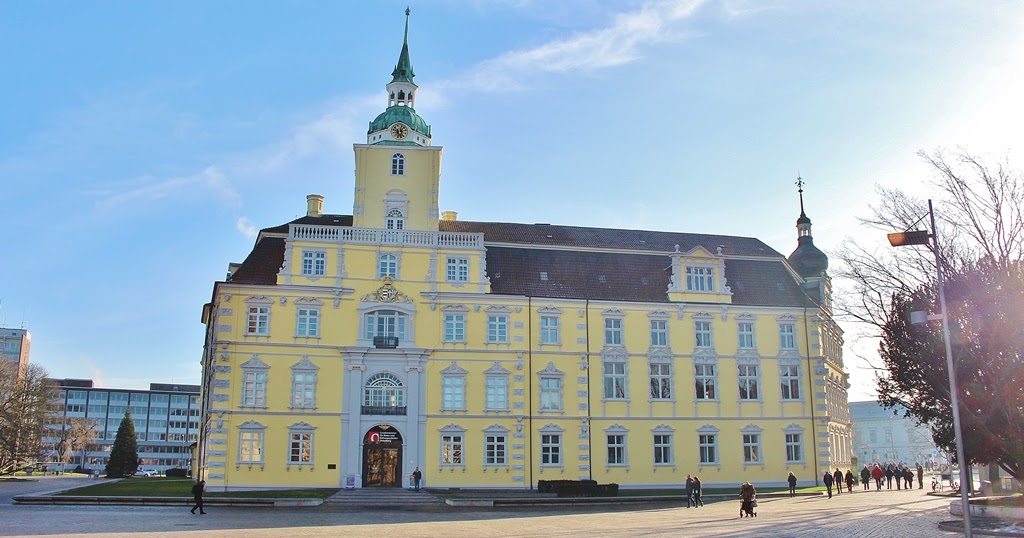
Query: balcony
x=385, y=342
x=374, y=236
x=389, y=410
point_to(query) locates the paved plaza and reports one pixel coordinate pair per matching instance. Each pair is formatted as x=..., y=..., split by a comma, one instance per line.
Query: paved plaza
x=896, y=514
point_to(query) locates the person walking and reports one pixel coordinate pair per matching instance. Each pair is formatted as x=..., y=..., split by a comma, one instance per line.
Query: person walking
x=747, y=496
x=792, y=484
x=689, y=491
x=877, y=474
x=838, y=477
x=197, y=493
x=416, y=477
x=849, y=481
x=828, y=479
x=920, y=476
x=697, y=501
x=865, y=477
x=888, y=477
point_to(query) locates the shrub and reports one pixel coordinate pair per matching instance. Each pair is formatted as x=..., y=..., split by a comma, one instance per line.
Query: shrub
x=176, y=472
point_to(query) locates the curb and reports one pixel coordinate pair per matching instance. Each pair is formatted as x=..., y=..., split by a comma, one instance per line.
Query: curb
x=162, y=501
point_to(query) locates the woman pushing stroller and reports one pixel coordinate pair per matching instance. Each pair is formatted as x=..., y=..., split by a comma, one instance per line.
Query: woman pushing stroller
x=748, y=500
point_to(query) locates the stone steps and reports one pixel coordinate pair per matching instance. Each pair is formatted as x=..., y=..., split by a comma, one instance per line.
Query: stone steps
x=382, y=498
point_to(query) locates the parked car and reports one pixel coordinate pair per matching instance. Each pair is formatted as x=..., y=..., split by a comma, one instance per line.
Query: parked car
x=146, y=472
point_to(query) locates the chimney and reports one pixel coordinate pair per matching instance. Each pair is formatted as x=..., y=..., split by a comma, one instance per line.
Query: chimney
x=449, y=215
x=314, y=205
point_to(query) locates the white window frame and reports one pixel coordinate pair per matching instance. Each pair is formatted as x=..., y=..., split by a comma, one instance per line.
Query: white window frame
x=398, y=164
x=702, y=334
x=551, y=387
x=307, y=321
x=705, y=379
x=752, y=448
x=707, y=447
x=457, y=269
x=660, y=377
x=745, y=335
x=659, y=333
x=495, y=446
x=663, y=451
x=387, y=265
x=304, y=378
x=794, y=442
x=700, y=278
x=615, y=379
x=497, y=329
x=384, y=389
x=787, y=336
x=551, y=447
x=314, y=262
x=790, y=377
x=550, y=332
x=255, y=378
x=455, y=328
x=453, y=447
x=496, y=392
x=453, y=392
x=616, y=442
x=301, y=444
x=376, y=320
x=749, y=378
x=258, y=318
x=613, y=331
x=251, y=441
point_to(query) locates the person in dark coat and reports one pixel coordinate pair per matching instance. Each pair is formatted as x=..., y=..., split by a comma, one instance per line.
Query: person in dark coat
x=697, y=501
x=849, y=481
x=828, y=479
x=747, y=496
x=920, y=476
x=416, y=477
x=197, y=493
x=689, y=491
x=888, y=477
x=908, y=477
x=792, y=484
x=865, y=478
x=838, y=477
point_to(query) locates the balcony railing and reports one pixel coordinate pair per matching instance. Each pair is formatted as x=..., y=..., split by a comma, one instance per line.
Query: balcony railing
x=373, y=236
x=390, y=410
x=385, y=342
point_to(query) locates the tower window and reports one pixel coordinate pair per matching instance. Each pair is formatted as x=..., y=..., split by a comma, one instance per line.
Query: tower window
x=395, y=220
x=398, y=164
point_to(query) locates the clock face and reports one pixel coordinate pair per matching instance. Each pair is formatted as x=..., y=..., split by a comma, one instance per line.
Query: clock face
x=399, y=131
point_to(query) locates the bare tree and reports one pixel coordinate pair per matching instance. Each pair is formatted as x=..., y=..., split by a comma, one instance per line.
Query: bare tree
x=25, y=396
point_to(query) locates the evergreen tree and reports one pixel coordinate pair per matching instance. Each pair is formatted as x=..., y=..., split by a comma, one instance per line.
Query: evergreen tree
x=124, y=455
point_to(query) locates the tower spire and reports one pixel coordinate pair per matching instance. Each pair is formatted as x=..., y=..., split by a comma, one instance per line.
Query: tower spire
x=800, y=189
x=403, y=70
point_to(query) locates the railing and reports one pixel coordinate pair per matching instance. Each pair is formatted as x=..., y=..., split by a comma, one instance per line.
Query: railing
x=373, y=236
x=391, y=410
x=385, y=342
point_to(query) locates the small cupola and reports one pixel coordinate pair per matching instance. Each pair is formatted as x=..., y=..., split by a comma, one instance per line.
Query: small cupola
x=807, y=260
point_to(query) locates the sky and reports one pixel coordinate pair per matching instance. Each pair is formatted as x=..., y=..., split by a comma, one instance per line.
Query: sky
x=144, y=144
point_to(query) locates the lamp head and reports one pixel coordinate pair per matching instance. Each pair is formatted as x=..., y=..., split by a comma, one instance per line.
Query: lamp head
x=914, y=237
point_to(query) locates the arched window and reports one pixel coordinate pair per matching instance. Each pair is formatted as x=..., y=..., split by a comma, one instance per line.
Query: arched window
x=384, y=390
x=395, y=220
x=398, y=164
x=401, y=96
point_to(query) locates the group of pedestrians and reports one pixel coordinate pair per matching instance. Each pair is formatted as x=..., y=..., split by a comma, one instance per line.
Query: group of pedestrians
x=838, y=478
x=693, y=492
x=903, y=475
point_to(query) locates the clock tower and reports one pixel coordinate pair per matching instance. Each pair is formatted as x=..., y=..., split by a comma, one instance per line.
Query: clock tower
x=397, y=170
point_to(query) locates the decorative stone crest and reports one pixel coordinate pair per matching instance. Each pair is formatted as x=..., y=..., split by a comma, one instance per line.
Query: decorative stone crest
x=387, y=293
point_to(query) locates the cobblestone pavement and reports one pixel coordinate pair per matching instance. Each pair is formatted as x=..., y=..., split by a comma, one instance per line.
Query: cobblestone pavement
x=884, y=514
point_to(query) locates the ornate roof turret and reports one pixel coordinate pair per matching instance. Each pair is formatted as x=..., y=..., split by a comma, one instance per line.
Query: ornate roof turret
x=807, y=260
x=399, y=124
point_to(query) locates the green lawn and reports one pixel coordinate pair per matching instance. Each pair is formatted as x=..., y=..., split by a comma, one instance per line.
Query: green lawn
x=181, y=487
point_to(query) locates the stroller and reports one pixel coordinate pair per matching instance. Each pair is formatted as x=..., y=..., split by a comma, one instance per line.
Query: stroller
x=748, y=500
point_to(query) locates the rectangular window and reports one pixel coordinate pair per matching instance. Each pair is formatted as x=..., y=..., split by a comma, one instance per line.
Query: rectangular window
x=751, y=448
x=497, y=393
x=303, y=389
x=659, y=333
x=550, y=449
x=453, y=393
x=458, y=270
x=494, y=449
x=455, y=328
x=300, y=448
x=387, y=265
x=549, y=330
x=307, y=322
x=497, y=329
x=385, y=323
x=746, y=335
x=612, y=332
x=794, y=450
x=873, y=435
x=662, y=449
x=259, y=320
x=616, y=449
x=790, y=375
x=451, y=449
x=254, y=389
x=661, y=381
x=748, y=382
x=614, y=380
x=702, y=331
x=314, y=262
x=250, y=446
x=550, y=394
x=700, y=279
x=708, y=448
x=704, y=380
x=787, y=336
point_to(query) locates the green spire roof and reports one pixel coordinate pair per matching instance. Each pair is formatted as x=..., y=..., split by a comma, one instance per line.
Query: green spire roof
x=403, y=71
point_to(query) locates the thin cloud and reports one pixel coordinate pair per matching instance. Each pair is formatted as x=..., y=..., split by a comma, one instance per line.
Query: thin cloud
x=210, y=179
x=248, y=229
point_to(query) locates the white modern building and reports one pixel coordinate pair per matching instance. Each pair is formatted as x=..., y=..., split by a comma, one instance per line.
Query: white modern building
x=886, y=435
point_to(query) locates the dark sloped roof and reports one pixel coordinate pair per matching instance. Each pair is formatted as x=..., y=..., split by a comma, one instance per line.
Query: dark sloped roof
x=576, y=236
x=764, y=283
x=262, y=264
x=323, y=220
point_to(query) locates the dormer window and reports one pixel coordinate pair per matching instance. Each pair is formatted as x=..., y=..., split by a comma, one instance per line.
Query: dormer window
x=398, y=164
x=395, y=220
x=700, y=278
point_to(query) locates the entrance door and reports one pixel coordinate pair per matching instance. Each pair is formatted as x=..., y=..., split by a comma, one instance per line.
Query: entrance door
x=382, y=457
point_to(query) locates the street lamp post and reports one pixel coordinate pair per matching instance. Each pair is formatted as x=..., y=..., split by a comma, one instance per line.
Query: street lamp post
x=920, y=237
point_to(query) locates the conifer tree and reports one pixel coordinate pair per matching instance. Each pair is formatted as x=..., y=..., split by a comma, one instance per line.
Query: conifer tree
x=124, y=455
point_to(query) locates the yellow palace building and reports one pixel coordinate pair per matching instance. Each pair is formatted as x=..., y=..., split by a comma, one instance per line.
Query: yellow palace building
x=348, y=350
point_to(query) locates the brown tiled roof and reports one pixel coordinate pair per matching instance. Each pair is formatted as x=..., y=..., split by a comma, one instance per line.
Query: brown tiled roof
x=575, y=274
x=576, y=236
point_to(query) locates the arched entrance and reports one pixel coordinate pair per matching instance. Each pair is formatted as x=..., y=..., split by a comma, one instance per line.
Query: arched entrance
x=382, y=457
